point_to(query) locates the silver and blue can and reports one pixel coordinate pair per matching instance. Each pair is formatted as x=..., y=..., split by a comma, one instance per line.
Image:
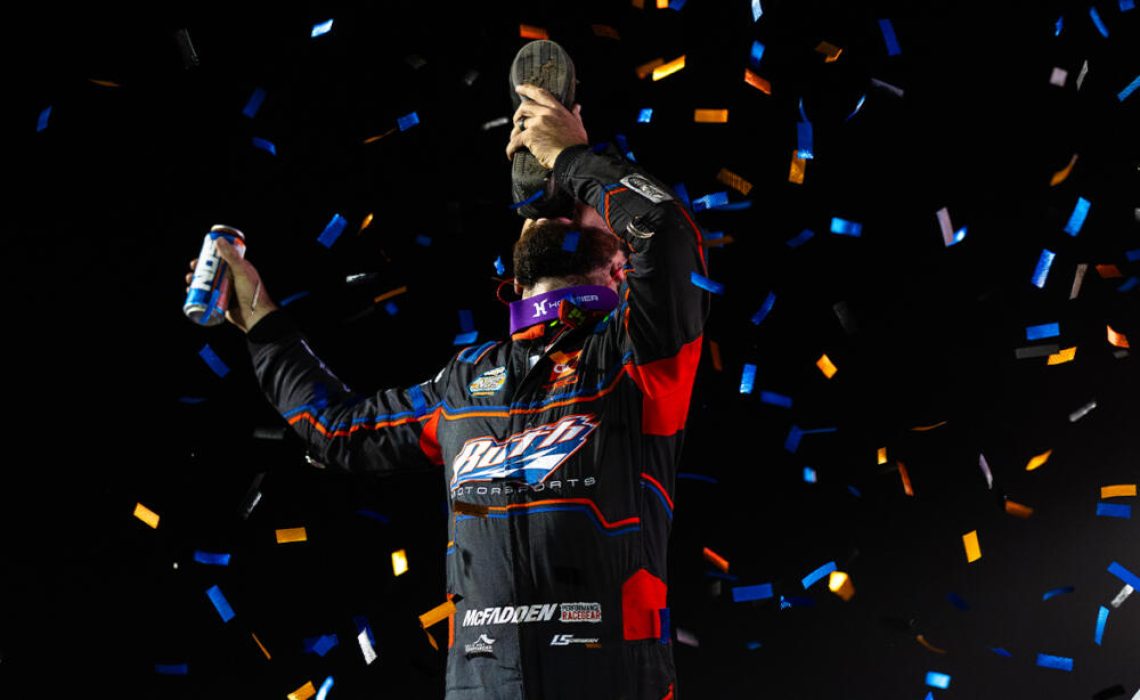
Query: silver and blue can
x=209, y=294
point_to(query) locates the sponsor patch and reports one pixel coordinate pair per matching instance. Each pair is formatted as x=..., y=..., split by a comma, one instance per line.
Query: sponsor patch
x=565, y=640
x=647, y=189
x=483, y=646
x=530, y=456
x=489, y=382
x=581, y=612
x=501, y=615
x=564, y=371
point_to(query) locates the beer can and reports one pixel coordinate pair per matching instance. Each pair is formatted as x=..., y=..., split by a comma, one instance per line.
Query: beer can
x=209, y=294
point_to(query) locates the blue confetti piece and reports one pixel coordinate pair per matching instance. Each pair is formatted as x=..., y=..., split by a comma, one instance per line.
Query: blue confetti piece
x=332, y=231
x=533, y=198
x=214, y=558
x=757, y=52
x=570, y=241
x=294, y=297
x=322, y=28
x=466, y=320
x=1077, y=219
x=663, y=613
x=42, y=121
x=929, y=695
x=821, y=430
x=468, y=338
x=747, y=378
x=697, y=477
x=1124, y=575
x=191, y=399
x=792, y=442
x=889, y=37
x=172, y=669
x=1126, y=5
x=324, y=643
x=734, y=206
x=818, y=574
x=677, y=5
x=765, y=309
x=1061, y=663
x=809, y=475
x=1045, y=330
x=709, y=201
x=957, y=601
x=958, y=237
x=858, y=106
x=752, y=646
x=423, y=240
x=323, y=693
x=775, y=399
x=1114, y=510
x=845, y=227
x=757, y=11
x=801, y=238
x=407, y=121
x=705, y=283
x=1129, y=284
x=264, y=145
x=1057, y=591
x=803, y=114
x=937, y=680
x=1101, y=619
x=391, y=308
x=213, y=361
x=721, y=575
x=1060, y=24
x=743, y=594
x=1122, y=95
x=682, y=192
x=254, y=102
x=1132, y=255
x=220, y=603
x=645, y=115
x=854, y=491
x=500, y=268
x=1001, y=652
x=1098, y=22
x=361, y=623
x=1043, y=265
x=714, y=235
x=623, y=145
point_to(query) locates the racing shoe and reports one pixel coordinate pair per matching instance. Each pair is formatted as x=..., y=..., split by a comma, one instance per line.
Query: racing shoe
x=547, y=65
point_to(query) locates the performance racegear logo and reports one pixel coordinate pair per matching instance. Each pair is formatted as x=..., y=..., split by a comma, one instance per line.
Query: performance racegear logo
x=501, y=615
x=581, y=612
x=530, y=456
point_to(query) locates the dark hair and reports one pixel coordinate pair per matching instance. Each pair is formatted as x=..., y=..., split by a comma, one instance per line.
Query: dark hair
x=546, y=251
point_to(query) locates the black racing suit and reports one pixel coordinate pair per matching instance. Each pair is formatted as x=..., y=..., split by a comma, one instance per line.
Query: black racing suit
x=560, y=461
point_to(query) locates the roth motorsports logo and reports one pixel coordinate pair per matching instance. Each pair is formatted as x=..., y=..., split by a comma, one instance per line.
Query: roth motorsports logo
x=529, y=456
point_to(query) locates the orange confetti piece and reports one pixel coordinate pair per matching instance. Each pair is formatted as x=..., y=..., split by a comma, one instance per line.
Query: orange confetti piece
x=1017, y=510
x=1108, y=271
x=146, y=515
x=364, y=224
x=1117, y=490
x=104, y=83
x=715, y=559
x=399, y=562
x=438, y=613
x=907, y=489
x=1063, y=173
x=840, y=584
x=261, y=646
x=714, y=352
x=710, y=116
x=639, y=4
x=717, y=242
x=662, y=4
x=1118, y=339
x=605, y=30
x=734, y=181
x=666, y=69
x=291, y=534
x=882, y=455
x=645, y=69
x=830, y=51
x=1060, y=358
x=973, y=549
x=757, y=82
x=796, y=174
x=924, y=428
x=304, y=692
x=528, y=31
x=1038, y=460
x=431, y=640
x=922, y=640
x=389, y=294
x=370, y=139
x=827, y=367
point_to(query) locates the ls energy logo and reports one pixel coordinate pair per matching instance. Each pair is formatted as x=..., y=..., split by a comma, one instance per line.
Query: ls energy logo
x=529, y=456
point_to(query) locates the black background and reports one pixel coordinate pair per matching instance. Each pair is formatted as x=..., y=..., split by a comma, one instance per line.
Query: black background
x=110, y=201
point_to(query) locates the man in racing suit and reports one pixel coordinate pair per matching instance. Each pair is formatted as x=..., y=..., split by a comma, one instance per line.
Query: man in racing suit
x=559, y=445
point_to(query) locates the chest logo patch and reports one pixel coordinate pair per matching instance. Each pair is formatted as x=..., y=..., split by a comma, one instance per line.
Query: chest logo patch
x=530, y=456
x=564, y=371
x=489, y=382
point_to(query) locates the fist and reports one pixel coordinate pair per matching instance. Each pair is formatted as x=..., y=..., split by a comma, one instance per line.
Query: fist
x=544, y=127
x=249, y=302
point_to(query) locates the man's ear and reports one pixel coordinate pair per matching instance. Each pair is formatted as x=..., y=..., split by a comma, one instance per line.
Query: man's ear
x=518, y=288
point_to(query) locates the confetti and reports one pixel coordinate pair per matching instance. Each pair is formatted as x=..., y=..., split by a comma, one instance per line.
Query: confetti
x=1038, y=460
x=687, y=638
x=949, y=235
x=294, y=297
x=1108, y=271
x=818, y=574
x=407, y=121
x=710, y=116
x=220, y=603
x=213, y=361
x=1043, y=263
x=1078, y=279
x=797, y=169
x=1124, y=575
x=888, y=31
x=321, y=29
x=399, y=562
x=747, y=378
x=800, y=238
x=1118, y=490
x=1077, y=218
x=846, y=318
x=1044, y=330
x=1061, y=663
x=1058, y=77
x=757, y=82
x=973, y=549
x=291, y=534
x=325, y=688
x=1063, y=356
x=389, y=294
x=1083, y=410
x=186, y=48
x=303, y=693
x=734, y=181
x=1063, y=174
x=264, y=145
x=42, y=120
x=470, y=77
x=1001, y=652
x=1122, y=596
x=905, y=476
x=921, y=639
x=1082, y=74
x=826, y=366
x=858, y=106
x=715, y=559
x=710, y=201
x=645, y=115
x=213, y=558
x=937, y=680
x=840, y=584
x=1017, y=510
x=897, y=92
x=1053, y=593
x=809, y=475
x=146, y=515
x=261, y=646
x=771, y=397
x=1114, y=510
x=881, y=456
x=1031, y=351
x=1123, y=94
x=320, y=645
x=845, y=227
x=645, y=69
x=757, y=53
x=172, y=669
x=1058, y=26
x=664, y=70
x=714, y=352
x=1101, y=619
x=757, y=11
x=366, y=647
x=254, y=102
x=830, y=51
x=985, y=467
x=957, y=601
x=437, y=614
x=1126, y=5
x=1117, y=339
x=705, y=283
x=416, y=61
x=1098, y=22
x=332, y=231
x=501, y=121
